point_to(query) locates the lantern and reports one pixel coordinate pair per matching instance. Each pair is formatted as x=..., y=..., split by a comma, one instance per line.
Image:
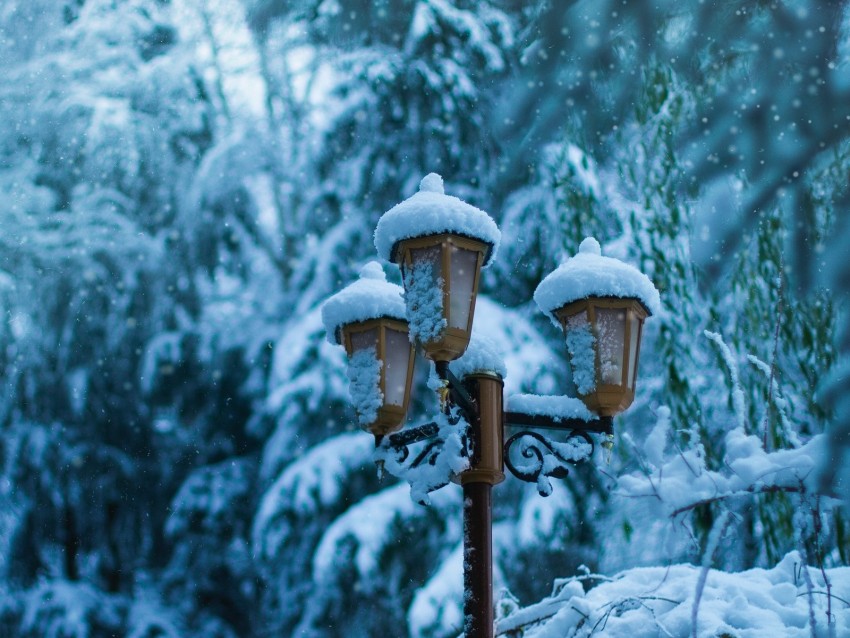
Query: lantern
x=380, y=357
x=441, y=274
x=600, y=303
x=441, y=244
x=603, y=343
x=368, y=319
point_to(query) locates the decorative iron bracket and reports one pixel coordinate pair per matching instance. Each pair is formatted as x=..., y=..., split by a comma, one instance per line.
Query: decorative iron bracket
x=528, y=455
x=544, y=458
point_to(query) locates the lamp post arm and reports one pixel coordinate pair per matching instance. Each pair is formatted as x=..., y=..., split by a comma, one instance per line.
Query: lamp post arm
x=601, y=425
x=410, y=436
x=457, y=393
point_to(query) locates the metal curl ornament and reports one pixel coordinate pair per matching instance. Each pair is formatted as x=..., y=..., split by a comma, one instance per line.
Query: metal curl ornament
x=547, y=458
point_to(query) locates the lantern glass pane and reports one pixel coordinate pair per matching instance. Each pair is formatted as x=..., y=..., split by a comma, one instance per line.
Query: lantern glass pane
x=427, y=259
x=364, y=339
x=397, y=363
x=634, y=336
x=611, y=333
x=635, y=349
x=463, y=265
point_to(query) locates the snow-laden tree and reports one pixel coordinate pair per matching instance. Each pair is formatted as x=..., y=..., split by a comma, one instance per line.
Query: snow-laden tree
x=183, y=183
x=111, y=387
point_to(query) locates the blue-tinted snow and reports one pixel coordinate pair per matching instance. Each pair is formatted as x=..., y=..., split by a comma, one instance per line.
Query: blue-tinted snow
x=431, y=212
x=659, y=601
x=423, y=294
x=370, y=297
x=369, y=523
x=590, y=274
x=557, y=407
x=364, y=375
x=483, y=355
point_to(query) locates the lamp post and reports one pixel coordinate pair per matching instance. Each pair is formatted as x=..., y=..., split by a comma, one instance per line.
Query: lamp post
x=441, y=244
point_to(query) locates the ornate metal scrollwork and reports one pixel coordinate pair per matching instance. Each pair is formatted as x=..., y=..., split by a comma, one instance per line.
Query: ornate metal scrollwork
x=541, y=458
x=432, y=465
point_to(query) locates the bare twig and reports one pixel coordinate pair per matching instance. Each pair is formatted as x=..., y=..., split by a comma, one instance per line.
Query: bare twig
x=708, y=557
x=780, y=303
x=767, y=489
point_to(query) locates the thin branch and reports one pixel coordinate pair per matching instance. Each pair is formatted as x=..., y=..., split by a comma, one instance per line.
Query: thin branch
x=825, y=593
x=768, y=489
x=780, y=304
x=711, y=547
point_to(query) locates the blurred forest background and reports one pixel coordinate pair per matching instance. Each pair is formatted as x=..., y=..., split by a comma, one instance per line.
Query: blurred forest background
x=184, y=182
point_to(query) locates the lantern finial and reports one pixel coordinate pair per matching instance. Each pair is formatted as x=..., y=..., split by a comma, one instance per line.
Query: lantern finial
x=432, y=183
x=373, y=270
x=590, y=246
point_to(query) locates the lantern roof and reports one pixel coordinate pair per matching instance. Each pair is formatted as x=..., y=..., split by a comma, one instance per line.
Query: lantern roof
x=482, y=356
x=370, y=297
x=431, y=212
x=590, y=274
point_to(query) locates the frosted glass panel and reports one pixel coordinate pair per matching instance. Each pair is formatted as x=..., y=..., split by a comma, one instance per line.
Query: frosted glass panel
x=463, y=265
x=430, y=256
x=611, y=335
x=634, y=334
x=397, y=360
x=634, y=368
x=364, y=339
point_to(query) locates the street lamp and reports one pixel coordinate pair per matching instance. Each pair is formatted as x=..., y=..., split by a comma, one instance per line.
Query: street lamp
x=600, y=303
x=368, y=319
x=441, y=244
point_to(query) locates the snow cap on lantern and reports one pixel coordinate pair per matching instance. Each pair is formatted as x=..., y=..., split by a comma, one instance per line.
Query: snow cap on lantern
x=368, y=319
x=431, y=212
x=370, y=297
x=590, y=274
x=601, y=304
x=441, y=244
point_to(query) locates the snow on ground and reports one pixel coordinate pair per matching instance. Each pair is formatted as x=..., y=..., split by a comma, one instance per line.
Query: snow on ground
x=659, y=601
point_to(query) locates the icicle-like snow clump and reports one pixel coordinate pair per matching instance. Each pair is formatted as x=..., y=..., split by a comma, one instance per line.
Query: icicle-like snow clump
x=364, y=372
x=370, y=297
x=581, y=344
x=424, y=296
x=431, y=212
x=589, y=274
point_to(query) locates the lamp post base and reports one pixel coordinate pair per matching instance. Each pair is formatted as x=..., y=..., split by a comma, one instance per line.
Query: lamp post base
x=478, y=620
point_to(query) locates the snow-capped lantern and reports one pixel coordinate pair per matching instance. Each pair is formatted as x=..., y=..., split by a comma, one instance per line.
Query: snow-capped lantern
x=601, y=304
x=368, y=319
x=441, y=244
